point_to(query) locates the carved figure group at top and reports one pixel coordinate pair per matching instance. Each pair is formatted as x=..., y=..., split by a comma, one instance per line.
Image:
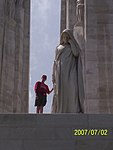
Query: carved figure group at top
x=80, y=12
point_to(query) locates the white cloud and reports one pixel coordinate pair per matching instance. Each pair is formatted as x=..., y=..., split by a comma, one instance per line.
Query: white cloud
x=40, y=8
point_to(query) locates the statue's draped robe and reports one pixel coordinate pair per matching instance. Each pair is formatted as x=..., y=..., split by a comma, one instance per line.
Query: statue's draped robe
x=68, y=82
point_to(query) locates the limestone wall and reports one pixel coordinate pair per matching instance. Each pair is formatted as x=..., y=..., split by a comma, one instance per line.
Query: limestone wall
x=14, y=55
x=93, y=29
x=54, y=132
x=68, y=8
x=99, y=56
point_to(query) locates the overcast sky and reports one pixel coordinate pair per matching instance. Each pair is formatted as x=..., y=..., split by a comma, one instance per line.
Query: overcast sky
x=45, y=32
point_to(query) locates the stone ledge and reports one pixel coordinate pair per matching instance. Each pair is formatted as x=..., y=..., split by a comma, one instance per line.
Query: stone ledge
x=53, y=131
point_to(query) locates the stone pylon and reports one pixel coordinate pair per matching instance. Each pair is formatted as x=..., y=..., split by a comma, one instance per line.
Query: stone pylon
x=91, y=22
x=14, y=55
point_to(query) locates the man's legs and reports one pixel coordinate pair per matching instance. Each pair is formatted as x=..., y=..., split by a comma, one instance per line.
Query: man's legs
x=41, y=109
x=37, y=109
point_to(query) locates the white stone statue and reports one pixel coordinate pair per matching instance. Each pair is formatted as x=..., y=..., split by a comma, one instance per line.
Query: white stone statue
x=67, y=76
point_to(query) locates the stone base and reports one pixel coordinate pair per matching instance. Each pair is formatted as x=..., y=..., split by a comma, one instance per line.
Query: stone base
x=55, y=132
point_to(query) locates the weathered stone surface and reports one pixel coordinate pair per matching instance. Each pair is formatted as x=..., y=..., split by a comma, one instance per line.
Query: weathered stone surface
x=99, y=39
x=71, y=10
x=95, y=37
x=63, y=13
x=54, y=132
x=14, y=55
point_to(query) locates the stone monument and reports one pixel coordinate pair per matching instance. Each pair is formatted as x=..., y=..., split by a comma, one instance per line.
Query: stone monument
x=56, y=132
x=14, y=55
x=91, y=22
x=67, y=76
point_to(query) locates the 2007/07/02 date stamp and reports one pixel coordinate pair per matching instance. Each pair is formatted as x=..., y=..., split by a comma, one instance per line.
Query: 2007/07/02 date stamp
x=91, y=132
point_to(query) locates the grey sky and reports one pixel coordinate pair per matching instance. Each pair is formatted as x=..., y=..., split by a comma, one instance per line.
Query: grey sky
x=45, y=31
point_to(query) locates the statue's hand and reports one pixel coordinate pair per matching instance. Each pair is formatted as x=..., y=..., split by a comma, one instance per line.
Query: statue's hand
x=53, y=81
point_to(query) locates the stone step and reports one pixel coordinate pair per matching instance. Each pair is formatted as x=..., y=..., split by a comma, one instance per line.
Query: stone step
x=55, y=132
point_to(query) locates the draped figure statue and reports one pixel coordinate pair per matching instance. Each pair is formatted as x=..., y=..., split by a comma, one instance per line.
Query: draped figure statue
x=67, y=76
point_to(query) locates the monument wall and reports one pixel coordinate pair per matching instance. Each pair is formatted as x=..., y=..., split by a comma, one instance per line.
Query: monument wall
x=91, y=22
x=56, y=132
x=14, y=55
x=99, y=56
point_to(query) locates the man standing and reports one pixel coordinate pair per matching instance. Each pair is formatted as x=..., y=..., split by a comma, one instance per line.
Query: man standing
x=41, y=90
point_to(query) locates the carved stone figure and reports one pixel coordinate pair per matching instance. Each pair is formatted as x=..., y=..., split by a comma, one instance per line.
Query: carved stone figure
x=80, y=12
x=67, y=76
